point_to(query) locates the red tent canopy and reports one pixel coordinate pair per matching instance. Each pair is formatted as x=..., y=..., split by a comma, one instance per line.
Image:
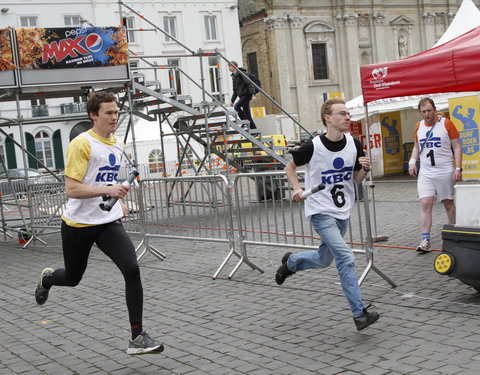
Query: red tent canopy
x=450, y=67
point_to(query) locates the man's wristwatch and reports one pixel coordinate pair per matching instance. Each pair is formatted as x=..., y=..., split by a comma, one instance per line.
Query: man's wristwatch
x=459, y=169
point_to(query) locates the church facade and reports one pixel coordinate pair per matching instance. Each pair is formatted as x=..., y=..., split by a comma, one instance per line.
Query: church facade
x=306, y=50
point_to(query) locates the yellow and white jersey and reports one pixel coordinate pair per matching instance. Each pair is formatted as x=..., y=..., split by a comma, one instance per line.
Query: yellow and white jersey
x=94, y=161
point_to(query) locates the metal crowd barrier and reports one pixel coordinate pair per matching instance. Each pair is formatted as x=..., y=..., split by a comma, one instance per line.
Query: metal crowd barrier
x=15, y=213
x=266, y=215
x=251, y=209
x=10, y=212
x=47, y=203
x=32, y=211
x=192, y=208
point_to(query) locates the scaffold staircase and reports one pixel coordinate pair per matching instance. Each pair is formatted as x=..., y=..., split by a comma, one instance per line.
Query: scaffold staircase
x=211, y=125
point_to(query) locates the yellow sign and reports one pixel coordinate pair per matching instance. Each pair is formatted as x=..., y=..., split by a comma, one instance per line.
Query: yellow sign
x=258, y=111
x=392, y=143
x=331, y=95
x=464, y=112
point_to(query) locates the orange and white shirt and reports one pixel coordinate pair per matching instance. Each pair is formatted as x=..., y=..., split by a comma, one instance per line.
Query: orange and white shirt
x=435, y=147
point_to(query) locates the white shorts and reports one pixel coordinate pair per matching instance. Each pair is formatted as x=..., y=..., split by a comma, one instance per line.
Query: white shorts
x=440, y=187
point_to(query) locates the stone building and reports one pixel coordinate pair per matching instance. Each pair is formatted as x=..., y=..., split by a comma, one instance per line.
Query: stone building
x=304, y=50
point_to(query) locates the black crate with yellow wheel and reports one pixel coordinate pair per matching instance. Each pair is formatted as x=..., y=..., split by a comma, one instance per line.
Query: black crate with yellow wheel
x=460, y=257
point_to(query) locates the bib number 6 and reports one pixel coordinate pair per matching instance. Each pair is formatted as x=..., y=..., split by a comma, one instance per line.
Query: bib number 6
x=338, y=196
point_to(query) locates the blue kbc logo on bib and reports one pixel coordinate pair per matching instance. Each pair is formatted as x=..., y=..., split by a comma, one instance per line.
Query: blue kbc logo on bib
x=108, y=173
x=338, y=174
x=431, y=142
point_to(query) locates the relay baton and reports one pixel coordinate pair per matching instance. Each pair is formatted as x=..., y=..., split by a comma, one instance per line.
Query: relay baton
x=111, y=201
x=313, y=190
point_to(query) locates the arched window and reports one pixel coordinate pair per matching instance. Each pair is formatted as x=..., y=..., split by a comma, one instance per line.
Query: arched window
x=320, y=40
x=79, y=128
x=155, y=160
x=43, y=148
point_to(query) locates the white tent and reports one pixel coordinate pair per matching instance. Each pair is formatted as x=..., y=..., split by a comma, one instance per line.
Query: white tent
x=466, y=19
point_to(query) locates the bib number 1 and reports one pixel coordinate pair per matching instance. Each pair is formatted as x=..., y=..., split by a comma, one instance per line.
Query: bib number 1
x=431, y=155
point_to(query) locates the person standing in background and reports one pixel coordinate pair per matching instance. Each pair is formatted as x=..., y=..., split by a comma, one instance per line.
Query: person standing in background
x=437, y=146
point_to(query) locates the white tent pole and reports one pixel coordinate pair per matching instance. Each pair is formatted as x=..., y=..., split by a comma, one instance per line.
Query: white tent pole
x=370, y=181
x=376, y=237
x=369, y=246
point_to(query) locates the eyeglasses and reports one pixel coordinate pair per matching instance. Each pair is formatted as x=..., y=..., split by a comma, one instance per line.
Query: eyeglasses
x=343, y=113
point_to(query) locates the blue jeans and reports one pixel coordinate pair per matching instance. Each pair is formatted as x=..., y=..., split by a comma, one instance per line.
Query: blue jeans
x=333, y=246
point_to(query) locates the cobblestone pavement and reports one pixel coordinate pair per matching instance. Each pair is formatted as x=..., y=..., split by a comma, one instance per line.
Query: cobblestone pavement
x=247, y=325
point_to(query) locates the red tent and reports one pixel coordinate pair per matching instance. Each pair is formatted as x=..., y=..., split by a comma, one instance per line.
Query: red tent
x=450, y=67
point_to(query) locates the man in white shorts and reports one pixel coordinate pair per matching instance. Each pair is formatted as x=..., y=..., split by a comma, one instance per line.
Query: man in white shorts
x=437, y=145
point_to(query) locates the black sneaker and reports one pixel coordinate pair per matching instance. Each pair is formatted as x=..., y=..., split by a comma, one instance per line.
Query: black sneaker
x=368, y=318
x=41, y=293
x=283, y=272
x=143, y=344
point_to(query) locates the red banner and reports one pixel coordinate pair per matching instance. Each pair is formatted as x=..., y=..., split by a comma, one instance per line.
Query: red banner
x=57, y=48
x=6, y=56
x=450, y=67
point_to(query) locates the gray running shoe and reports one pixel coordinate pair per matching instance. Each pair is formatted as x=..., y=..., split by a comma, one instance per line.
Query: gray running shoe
x=144, y=344
x=41, y=293
x=424, y=247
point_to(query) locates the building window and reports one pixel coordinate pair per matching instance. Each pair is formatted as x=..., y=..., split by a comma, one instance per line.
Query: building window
x=38, y=102
x=170, y=27
x=39, y=107
x=252, y=63
x=210, y=27
x=137, y=76
x=133, y=64
x=214, y=74
x=43, y=148
x=79, y=128
x=129, y=23
x=80, y=99
x=155, y=161
x=319, y=61
x=81, y=102
x=28, y=21
x=2, y=154
x=175, y=83
x=72, y=20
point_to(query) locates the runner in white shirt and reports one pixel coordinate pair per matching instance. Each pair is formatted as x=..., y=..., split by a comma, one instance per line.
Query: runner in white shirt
x=336, y=160
x=93, y=161
x=437, y=146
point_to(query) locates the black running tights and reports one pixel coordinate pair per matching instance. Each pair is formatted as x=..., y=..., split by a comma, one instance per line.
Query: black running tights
x=112, y=239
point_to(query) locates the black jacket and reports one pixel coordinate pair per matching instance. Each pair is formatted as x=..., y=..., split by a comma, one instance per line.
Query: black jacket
x=241, y=86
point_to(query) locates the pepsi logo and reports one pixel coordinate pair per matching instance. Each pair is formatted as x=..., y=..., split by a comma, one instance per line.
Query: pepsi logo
x=94, y=42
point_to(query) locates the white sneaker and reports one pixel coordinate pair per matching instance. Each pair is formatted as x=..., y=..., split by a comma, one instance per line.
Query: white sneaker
x=424, y=247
